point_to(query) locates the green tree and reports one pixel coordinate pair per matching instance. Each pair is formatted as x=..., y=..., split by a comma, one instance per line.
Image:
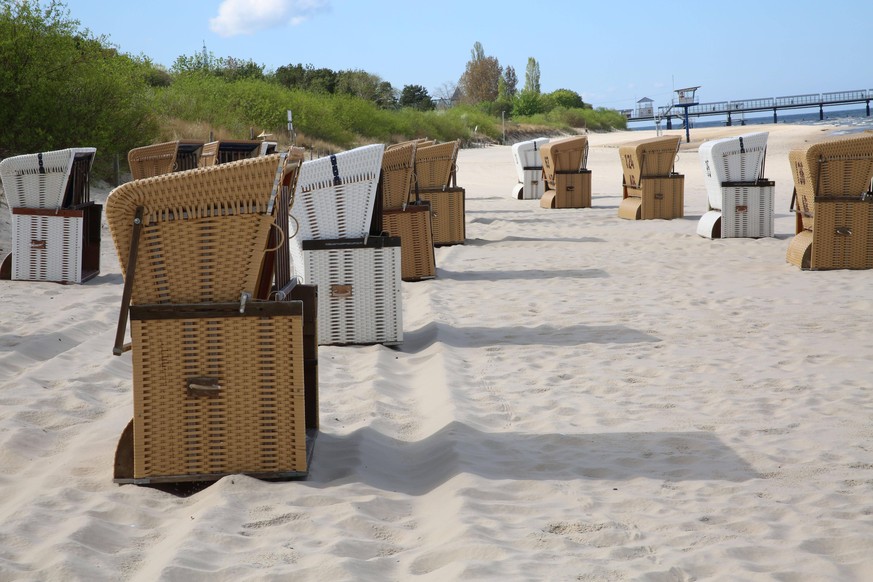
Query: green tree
x=366, y=86
x=532, y=76
x=60, y=87
x=417, y=97
x=481, y=78
x=510, y=79
x=566, y=98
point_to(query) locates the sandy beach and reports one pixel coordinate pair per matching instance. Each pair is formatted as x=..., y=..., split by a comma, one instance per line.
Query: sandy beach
x=577, y=397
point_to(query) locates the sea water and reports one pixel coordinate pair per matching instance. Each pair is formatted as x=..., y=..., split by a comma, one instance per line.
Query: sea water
x=852, y=118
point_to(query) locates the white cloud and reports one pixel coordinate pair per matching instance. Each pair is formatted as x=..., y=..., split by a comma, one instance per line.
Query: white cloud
x=239, y=17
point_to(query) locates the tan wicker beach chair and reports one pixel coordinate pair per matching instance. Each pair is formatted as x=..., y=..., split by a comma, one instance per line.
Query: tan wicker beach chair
x=55, y=224
x=834, y=203
x=435, y=165
x=163, y=158
x=397, y=173
x=567, y=178
x=229, y=150
x=218, y=367
x=650, y=187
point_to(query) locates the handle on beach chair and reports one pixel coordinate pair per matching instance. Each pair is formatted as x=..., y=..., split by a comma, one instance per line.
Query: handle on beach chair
x=120, y=346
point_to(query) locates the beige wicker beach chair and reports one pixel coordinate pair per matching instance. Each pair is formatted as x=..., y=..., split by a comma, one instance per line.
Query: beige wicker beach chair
x=567, y=178
x=834, y=203
x=55, y=224
x=650, y=187
x=435, y=165
x=397, y=172
x=218, y=368
x=163, y=158
x=229, y=150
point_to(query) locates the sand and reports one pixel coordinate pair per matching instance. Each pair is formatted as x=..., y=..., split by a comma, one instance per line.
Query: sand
x=578, y=397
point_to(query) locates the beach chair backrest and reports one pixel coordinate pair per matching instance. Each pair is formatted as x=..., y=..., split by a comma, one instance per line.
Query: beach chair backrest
x=526, y=155
x=568, y=154
x=840, y=166
x=648, y=158
x=55, y=179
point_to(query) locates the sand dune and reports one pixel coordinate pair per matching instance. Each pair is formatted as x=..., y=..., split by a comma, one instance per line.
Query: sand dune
x=577, y=397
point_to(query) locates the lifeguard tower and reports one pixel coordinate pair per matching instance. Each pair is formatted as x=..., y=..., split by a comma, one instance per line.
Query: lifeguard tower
x=686, y=98
x=645, y=107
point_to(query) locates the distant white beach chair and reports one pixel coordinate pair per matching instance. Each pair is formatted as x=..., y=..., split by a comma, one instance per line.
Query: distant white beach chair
x=55, y=225
x=529, y=167
x=739, y=198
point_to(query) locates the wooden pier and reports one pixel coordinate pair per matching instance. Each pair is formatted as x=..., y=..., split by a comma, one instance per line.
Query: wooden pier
x=743, y=106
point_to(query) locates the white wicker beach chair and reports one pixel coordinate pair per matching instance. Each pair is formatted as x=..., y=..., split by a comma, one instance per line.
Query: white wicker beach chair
x=55, y=225
x=336, y=195
x=739, y=199
x=529, y=167
x=43, y=180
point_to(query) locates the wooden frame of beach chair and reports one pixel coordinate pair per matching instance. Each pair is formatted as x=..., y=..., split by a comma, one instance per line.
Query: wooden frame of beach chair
x=335, y=196
x=567, y=179
x=529, y=167
x=229, y=150
x=55, y=224
x=650, y=187
x=163, y=158
x=740, y=201
x=834, y=197
x=218, y=371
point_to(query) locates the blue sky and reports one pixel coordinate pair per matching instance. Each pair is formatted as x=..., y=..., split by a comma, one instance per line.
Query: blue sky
x=611, y=53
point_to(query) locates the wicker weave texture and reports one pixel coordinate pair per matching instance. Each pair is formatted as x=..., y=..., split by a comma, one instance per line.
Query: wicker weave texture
x=448, y=208
x=336, y=195
x=415, y=228
x=843, y=235
x=747, y=211
x=204, y=231
x=256, y=421
x=397, y=169
x=800, y=249
x=839, y=166
x=569, y=154
x=662, y=198
x=55, y=179
x=570, y=191
x=359, y=294
x=732, y=159
x=648, y=158
x=47, y=247
x=434, y=164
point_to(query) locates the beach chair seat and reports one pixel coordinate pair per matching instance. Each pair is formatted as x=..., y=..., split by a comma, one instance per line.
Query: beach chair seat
x=230, y=150
x=359, y=293
x=218, y=358
x=834, y=203
x=55, y=224
x=163, y=158
x=413, y=224
x=448, y=214
x=529, y=168
x=739, y=198
x=335, y=195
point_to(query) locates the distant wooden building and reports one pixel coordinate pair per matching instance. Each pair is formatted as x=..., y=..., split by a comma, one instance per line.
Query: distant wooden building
x=645, y=107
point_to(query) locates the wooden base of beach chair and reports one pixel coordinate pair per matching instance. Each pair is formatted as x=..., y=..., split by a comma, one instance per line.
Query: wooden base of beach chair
x=842, y=237
x=218, y=392
x=359, y=295
x=570, y=190
x=448, y=209
x=61, y=246
x=662, y=198
x=415, y=228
